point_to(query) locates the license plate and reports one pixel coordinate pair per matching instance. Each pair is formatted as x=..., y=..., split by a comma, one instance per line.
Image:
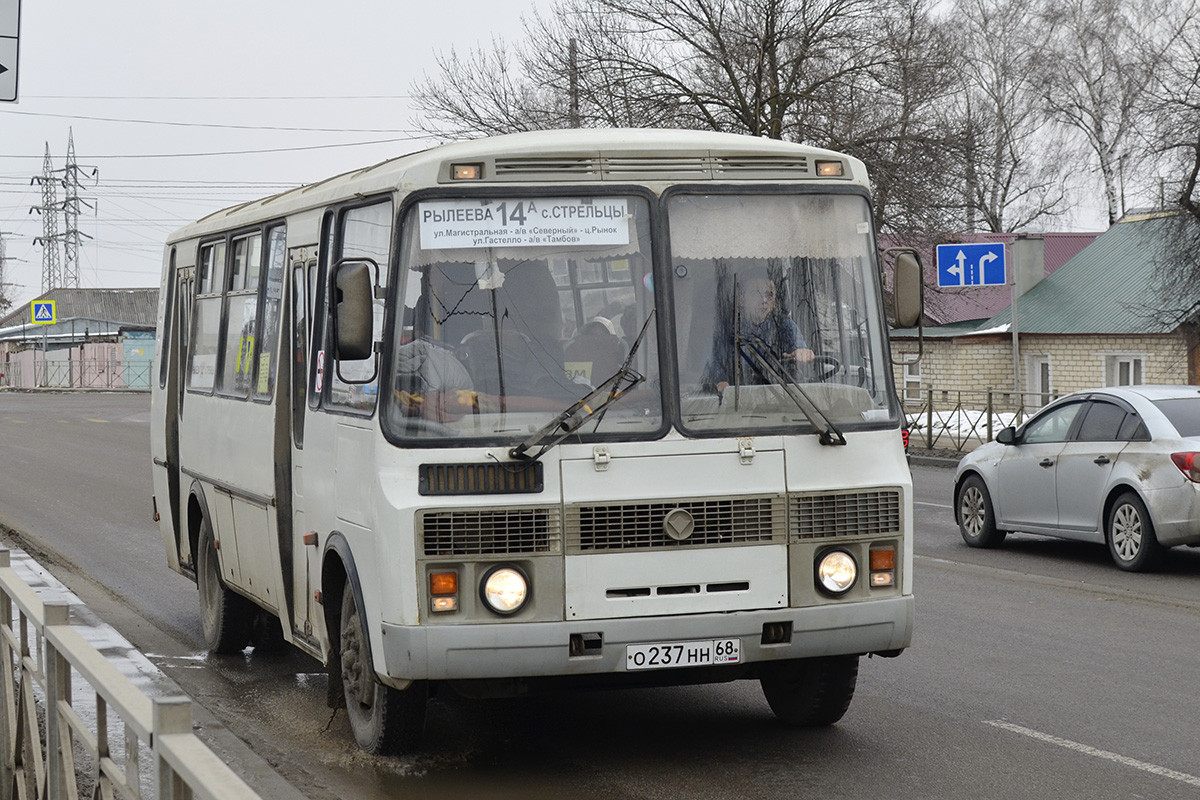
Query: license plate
x=683, y=654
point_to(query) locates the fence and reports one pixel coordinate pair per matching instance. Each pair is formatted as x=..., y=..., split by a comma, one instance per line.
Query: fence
x=957, y=420
x=77, y=374
x=47, y=749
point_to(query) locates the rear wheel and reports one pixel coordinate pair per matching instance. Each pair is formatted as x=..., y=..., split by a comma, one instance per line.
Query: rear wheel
x=385, y=721
x=976, y=517
x=1130, y=535
x=225, y=616
x=809, y=692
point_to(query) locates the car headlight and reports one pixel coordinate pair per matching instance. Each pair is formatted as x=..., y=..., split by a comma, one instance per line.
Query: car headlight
x=836, y=571
x=505, y=589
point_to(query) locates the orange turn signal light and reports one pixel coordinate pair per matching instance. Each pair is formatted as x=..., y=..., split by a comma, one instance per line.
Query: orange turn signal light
x=883, y=560
x=443, y=583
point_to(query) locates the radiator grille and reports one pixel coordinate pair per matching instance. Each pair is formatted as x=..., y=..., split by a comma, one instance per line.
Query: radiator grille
x=490, y=531
x=636, y=526
x=821, y=516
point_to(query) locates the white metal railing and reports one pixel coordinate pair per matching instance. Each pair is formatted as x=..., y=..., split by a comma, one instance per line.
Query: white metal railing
x=54, y=747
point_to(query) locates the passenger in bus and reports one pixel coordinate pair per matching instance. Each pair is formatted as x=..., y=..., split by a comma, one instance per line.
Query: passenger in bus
x=431, y=384
x=596, y=353
x=760, y=321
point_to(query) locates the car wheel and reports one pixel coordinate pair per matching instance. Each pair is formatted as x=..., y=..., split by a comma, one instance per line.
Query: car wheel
x=808, y=692
x=1130, y=535
x=385, y=721
x=225, y=616
x=976, y=519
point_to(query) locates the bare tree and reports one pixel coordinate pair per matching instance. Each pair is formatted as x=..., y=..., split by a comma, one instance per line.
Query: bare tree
x=1101, y=55
x=1013, y=167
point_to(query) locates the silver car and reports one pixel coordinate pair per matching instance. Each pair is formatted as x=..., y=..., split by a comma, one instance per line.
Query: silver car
x=1117, y=465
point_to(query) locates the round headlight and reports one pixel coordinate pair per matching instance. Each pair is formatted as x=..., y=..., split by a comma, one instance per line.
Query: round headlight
x=505, y=590
x=836, y=571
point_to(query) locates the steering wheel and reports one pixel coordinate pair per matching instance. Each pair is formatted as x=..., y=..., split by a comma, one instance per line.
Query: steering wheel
x=822, y=366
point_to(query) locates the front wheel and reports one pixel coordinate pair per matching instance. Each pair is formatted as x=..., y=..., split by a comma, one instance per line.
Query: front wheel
x=976, y=517
x=1130, y=535
x=810, y=692
x=225, y=616
x=385, y=721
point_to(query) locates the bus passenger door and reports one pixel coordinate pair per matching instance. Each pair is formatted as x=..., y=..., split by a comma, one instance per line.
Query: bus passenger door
x=166, y=410
x=305, y=565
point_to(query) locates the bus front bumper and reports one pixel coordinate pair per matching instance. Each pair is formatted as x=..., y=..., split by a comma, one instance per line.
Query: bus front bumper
x=520, y=650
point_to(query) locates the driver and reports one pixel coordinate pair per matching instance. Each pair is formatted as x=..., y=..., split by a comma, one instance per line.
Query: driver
x=759, y=319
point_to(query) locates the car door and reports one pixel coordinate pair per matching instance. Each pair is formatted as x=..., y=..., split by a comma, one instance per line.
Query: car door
x=1025, y=485
x=1085, y=466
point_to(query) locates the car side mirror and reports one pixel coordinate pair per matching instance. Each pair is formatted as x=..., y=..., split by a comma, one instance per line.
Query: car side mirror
x=1007, y=436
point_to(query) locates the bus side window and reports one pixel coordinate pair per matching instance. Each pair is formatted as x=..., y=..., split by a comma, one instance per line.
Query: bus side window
x=363, y=232
x=268, y=337
x=206, y=317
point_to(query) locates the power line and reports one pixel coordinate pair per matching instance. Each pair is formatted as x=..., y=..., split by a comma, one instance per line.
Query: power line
x=171, y=123
x=249, y=152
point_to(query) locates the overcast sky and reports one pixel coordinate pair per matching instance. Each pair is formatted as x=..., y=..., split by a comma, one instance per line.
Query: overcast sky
x=186, y=108
x=165, y=99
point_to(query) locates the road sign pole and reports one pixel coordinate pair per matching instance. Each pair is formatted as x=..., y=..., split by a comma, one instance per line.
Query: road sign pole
x=1016, y=294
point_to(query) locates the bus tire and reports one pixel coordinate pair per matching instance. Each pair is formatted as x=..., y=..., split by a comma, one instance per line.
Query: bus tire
x=385, y=721
x=225, y=616
x=810, y=692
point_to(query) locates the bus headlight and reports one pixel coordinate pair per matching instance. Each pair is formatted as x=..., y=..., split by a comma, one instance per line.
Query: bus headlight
x=504, y=589
x=836, y=571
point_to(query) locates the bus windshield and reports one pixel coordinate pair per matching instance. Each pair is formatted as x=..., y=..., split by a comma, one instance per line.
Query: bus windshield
x=514, y=308
x=775, y=311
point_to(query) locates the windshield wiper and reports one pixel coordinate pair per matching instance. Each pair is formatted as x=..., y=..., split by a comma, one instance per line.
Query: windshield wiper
x=757, y=351
x=584, y=409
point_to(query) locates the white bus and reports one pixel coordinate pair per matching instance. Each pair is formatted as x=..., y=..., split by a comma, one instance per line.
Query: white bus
x=566, y=408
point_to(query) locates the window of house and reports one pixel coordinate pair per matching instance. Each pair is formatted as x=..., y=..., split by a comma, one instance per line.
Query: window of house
x=912, y=378
x=1038, y=380
x=1123, y=370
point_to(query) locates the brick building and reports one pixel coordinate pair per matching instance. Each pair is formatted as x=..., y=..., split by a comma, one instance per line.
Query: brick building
x=1089, y=323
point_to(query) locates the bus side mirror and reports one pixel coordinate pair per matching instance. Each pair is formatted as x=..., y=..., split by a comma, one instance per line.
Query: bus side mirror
x=353, y=311
x=908, y=290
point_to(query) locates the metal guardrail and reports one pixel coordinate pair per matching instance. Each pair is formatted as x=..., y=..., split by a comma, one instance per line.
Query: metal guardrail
x=958, y=420
x=55, y=747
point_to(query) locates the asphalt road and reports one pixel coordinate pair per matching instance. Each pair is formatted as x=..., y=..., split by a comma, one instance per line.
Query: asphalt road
x=1037, y=670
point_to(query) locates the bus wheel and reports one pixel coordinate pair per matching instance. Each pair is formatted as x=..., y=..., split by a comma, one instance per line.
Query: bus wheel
x=225, y=615
x=807, y=692
x=385, y=721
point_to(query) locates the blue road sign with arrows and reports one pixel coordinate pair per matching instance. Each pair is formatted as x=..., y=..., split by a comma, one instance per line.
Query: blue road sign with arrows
x=971, y=265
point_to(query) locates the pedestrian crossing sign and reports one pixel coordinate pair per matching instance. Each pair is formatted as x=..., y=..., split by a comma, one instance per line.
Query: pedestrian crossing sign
x=42, y=312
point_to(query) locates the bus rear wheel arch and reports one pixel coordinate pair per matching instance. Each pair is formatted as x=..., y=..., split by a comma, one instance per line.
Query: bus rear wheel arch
x=225, y=616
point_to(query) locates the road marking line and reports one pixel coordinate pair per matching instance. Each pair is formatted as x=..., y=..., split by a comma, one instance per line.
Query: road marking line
x=1154, y=769
x=89, y=419
x=935, y=505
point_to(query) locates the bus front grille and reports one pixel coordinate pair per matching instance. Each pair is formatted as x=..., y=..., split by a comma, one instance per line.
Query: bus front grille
x=641, y=526
x=839, y=514
x=489, y=531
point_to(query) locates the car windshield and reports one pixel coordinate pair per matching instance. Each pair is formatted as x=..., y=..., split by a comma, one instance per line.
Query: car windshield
x=775, y=293
x=1184, y=414
x=515, y=308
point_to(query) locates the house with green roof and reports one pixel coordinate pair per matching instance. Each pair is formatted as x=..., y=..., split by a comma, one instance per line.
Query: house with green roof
x=1091, y=322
